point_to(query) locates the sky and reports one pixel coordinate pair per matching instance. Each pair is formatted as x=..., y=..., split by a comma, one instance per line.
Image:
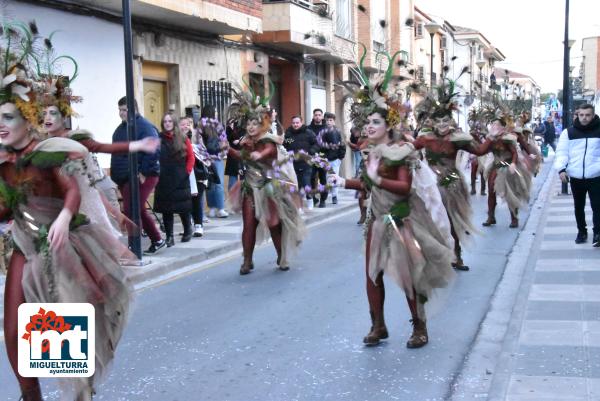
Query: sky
x=528, y=32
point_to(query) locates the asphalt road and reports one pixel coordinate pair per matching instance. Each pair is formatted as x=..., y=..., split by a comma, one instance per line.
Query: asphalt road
x=297, y=335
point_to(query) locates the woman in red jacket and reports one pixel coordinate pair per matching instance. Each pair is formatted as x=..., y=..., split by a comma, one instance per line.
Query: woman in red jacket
x=173, y=193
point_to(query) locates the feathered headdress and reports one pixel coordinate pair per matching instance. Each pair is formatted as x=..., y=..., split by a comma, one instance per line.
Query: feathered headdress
x=380, y=93
x=247, y=105
x=30, y=76
x=439, y=101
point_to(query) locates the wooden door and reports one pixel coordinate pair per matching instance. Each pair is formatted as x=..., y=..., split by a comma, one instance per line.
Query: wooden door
x=155, y=98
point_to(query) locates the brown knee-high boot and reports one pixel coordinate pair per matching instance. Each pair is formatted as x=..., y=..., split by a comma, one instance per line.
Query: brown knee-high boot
x=482, y=184
x=474, y=167
x=376, y=296
x=419, y=336
x=491, y=209
x=514, y=219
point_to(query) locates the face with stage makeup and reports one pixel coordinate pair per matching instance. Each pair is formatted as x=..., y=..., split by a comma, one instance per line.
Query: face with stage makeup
x=443, y=125
x=54, y=122
x=252, y=127
x=14, y=129
x=377, y=128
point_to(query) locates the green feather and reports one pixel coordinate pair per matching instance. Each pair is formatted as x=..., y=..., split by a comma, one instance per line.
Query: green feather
x=80, y=137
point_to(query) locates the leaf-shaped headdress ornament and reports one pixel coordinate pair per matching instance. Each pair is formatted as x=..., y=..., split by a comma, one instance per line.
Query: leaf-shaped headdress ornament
x=247, y=105
x=380, y=93
x=30, y=73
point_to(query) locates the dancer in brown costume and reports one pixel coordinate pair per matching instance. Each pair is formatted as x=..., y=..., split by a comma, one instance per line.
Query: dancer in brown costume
x=405, y=238
x=502, y=174
x=267, y=194
x=42, y=186
x=441, y=149
x=476, y=163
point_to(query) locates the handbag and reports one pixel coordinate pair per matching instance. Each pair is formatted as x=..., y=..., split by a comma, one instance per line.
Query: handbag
x=213, y=175
x=200, y=171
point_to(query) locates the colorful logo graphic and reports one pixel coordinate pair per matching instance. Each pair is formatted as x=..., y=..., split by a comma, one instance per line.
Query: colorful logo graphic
x=57, y=340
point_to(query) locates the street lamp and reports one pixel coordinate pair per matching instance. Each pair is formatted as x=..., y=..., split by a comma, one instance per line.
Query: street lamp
x=480, y=64
x=432, y=28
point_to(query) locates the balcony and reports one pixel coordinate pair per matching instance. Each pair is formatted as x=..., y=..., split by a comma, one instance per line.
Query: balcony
x=304, y=27
x=228, y=17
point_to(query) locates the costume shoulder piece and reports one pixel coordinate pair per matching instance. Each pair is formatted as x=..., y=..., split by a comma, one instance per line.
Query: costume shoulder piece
x=80, y=135
x=53, y=152
x=394, y=154
x=269, y=137
x=425, y=132
x=461, y=137
x=510, y=138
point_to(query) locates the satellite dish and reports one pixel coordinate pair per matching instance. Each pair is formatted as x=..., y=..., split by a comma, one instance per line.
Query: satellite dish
x=469, y=99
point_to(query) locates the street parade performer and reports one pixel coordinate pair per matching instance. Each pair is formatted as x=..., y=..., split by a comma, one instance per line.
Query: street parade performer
x=441, y=145
x=503, y=174
x=267, y=196
x=60, y=255
x=408, y=232
x=478, y=131
x=57, y=108
x=530, y=155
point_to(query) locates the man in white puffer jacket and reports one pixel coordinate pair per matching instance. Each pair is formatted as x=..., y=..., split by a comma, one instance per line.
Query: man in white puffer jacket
x=578, y=158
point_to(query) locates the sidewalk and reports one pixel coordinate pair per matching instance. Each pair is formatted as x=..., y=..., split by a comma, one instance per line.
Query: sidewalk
x=541, y=338
x=222, y=239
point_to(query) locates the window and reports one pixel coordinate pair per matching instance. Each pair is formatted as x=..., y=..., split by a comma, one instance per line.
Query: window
x=421, y=73
x=378, y=47
x=444, y=43
x=216, y=93
x=378, y=14
x=343, y=18
x=419, y=30
x=320, y=76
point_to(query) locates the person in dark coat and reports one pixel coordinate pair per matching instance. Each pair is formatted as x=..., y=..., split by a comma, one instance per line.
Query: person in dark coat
x=317, y=125
x=148, y=167
x=550, y=133
x=333, y=148
x=298, y=137
x=233, y=166
x=173, y=194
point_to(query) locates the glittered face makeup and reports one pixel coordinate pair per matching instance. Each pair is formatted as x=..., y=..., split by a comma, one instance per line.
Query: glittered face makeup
x=14, y=129
x=377, y=129
x=53, y=120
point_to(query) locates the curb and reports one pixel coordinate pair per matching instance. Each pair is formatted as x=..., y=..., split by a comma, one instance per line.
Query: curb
x=477, y=377
x=151, y=272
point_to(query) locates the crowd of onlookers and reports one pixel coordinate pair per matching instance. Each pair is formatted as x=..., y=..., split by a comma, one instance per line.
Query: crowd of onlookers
x=192, y=163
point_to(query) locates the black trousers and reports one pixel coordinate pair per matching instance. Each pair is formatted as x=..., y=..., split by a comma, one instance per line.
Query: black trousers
x=186, y=221
x=198, y=205
x=581, y=187
x=320, y=176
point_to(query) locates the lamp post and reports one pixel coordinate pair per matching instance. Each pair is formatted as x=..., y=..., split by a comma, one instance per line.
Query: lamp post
x=480, y=64
x=432, y=28
x=566, y=57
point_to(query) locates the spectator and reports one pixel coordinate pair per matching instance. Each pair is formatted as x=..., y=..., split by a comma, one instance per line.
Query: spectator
x=319, y=174
x=215, y=140
x=355, y=136
x=186, y=126
x=331, y=145
x=578, y=160
x=233, y=166
x=148, y=167
x=173, y=193
x=299, y=138
x=276, y=127
x=550, y=133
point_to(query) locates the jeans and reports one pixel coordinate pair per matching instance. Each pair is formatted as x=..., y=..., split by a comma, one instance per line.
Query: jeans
x=335, y=165
x=215, y=196
x=357, y=157
x=232, y=180
x=552, y=144
x=304, y=179
x=581, y=187
x=148, y=223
